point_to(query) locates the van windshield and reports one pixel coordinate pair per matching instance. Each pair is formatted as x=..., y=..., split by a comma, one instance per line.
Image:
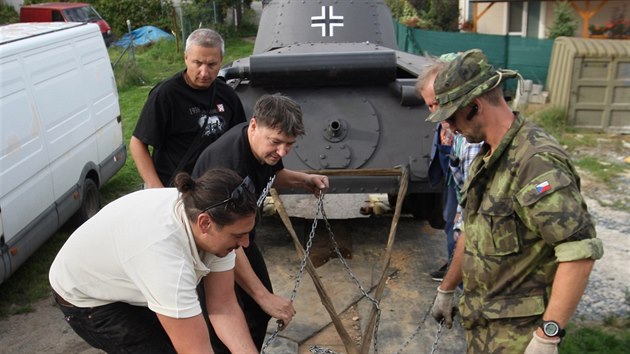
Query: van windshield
x=82, y=14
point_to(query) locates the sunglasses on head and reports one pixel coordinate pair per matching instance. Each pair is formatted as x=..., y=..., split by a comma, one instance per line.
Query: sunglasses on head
x=237, y=193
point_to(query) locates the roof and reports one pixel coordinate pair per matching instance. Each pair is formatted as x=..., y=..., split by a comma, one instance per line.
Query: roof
x=59, y=5
x=17, y=31
x=596, y=47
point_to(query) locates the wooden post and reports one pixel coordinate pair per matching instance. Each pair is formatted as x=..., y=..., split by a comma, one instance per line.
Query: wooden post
x=351, y=348
x=369, y=331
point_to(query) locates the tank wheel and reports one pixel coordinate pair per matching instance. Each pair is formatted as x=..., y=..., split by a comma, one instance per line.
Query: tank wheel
x=90, y=201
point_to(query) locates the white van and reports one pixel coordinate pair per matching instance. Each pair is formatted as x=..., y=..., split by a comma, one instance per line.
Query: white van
x=60, y=132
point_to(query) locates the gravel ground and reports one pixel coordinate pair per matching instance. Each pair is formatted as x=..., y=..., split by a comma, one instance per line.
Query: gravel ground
x=608, y=291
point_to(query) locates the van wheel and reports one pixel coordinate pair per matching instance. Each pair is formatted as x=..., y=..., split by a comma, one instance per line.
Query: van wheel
x=90, y=201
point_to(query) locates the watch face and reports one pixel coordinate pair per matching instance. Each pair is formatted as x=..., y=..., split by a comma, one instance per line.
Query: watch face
x=551, y=329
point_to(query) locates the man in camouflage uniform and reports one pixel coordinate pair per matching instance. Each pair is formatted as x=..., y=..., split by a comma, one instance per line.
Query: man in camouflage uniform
x=528, y=244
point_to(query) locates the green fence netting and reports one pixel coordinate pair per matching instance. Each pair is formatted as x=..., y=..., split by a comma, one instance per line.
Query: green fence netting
x=530, y=56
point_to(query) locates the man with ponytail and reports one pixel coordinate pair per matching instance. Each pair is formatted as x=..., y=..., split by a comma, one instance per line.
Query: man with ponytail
x=126, y=279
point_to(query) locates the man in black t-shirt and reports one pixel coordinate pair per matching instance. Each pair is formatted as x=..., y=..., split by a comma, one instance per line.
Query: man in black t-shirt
x=185, y=113
x=256, y=149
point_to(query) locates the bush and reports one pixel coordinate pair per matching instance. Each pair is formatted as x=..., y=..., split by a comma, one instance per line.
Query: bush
x=8, y=14
x=564, y=22
x=439, y=15
x=158, y=13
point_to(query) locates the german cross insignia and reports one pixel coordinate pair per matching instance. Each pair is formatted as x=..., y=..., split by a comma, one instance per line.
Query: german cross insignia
x=327, y=21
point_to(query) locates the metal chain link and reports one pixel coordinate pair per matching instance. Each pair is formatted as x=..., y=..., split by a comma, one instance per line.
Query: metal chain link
x=416, y=331
x=355, y=279
x=437, y=337
x=298, y=280
x=321, y=350
x=316, y=349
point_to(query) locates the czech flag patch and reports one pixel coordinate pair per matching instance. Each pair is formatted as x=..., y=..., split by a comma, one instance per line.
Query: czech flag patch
x=543, y=187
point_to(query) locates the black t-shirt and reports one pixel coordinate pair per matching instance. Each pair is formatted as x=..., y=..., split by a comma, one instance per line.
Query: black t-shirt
x=172, y=118
x=232, y=150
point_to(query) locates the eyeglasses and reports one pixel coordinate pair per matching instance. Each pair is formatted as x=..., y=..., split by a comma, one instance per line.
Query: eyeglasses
x=237, y=193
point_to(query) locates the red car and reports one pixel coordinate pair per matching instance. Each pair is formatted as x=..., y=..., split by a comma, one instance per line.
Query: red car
x=66, y=12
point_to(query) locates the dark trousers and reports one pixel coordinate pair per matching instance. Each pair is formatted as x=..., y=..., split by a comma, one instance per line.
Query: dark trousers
x=118, y=328
x=256, y=318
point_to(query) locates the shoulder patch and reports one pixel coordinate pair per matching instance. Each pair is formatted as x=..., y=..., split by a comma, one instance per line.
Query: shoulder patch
x=541, y=186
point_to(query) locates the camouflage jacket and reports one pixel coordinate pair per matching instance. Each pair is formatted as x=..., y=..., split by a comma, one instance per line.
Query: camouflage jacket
x=523, y=214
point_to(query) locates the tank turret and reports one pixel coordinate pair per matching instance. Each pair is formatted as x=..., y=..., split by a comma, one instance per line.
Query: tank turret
x=339, y=60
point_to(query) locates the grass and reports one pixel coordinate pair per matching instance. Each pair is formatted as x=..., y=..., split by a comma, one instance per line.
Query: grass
x=602, y=170
x=596, y=338
x=593, y=153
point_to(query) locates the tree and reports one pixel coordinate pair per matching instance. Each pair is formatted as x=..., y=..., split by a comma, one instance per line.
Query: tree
x=564, y=22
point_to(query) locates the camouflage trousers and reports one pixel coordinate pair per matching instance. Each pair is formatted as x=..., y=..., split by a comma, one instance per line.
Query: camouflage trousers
x=504, y=336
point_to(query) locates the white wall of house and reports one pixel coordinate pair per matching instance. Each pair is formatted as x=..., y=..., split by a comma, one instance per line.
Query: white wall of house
x=537, y=16
x=608, y=11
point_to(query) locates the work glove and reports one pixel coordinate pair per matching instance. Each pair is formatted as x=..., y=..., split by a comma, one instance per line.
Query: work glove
x=539, y=345
x=443, y=307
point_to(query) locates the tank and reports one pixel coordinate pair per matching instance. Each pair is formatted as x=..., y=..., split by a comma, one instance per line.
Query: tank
x=339, y=60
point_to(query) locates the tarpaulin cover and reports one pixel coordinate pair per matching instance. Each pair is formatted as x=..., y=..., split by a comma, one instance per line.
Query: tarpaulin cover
x=143, y=35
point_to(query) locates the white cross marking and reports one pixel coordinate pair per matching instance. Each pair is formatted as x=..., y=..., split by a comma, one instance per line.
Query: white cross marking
x=327, y=21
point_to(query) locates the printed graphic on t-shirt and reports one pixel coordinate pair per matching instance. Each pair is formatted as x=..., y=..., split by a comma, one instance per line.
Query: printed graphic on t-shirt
x=215, y=126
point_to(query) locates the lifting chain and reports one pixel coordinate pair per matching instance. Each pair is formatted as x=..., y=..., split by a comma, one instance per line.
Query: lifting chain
x=321, y=350
x=356, y=281
x=298, y=279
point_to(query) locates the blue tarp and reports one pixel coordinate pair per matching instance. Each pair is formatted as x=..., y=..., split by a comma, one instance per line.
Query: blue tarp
x=143, y=35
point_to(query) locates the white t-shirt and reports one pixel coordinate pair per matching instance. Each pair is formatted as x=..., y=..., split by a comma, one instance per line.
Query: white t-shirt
x=139, y=249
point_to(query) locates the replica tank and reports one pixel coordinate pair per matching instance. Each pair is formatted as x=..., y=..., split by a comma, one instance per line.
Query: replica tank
x=339, y=61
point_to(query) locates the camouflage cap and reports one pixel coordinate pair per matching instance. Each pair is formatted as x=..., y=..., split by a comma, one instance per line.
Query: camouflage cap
x=466, y=78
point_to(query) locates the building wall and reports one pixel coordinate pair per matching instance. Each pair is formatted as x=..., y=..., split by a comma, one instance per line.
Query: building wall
x=494, y=21
x=608, y=11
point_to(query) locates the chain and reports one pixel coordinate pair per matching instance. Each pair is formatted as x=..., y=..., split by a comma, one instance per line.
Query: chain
x=298, y=280
x=437, y=337
x=355, y=279
x=321, y=350
x=417, y=330
x=316, y=349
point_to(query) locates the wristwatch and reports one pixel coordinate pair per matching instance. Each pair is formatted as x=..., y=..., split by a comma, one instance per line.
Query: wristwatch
x=552, y=329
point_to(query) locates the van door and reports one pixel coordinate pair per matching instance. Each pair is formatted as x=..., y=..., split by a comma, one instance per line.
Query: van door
x=69, y=127
x=26, y=187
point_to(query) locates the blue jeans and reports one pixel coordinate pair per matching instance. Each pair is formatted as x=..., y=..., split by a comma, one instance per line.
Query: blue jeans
x=450, y=209
x=450, y=200
x=118, y=328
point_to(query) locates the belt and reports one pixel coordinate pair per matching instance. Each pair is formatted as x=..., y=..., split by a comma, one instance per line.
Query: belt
x=61, y=301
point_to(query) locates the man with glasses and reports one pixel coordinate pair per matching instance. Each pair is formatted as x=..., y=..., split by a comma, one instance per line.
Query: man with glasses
x=126, y=279
x=528, y=243
x=255, y=150
x=441, y=153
